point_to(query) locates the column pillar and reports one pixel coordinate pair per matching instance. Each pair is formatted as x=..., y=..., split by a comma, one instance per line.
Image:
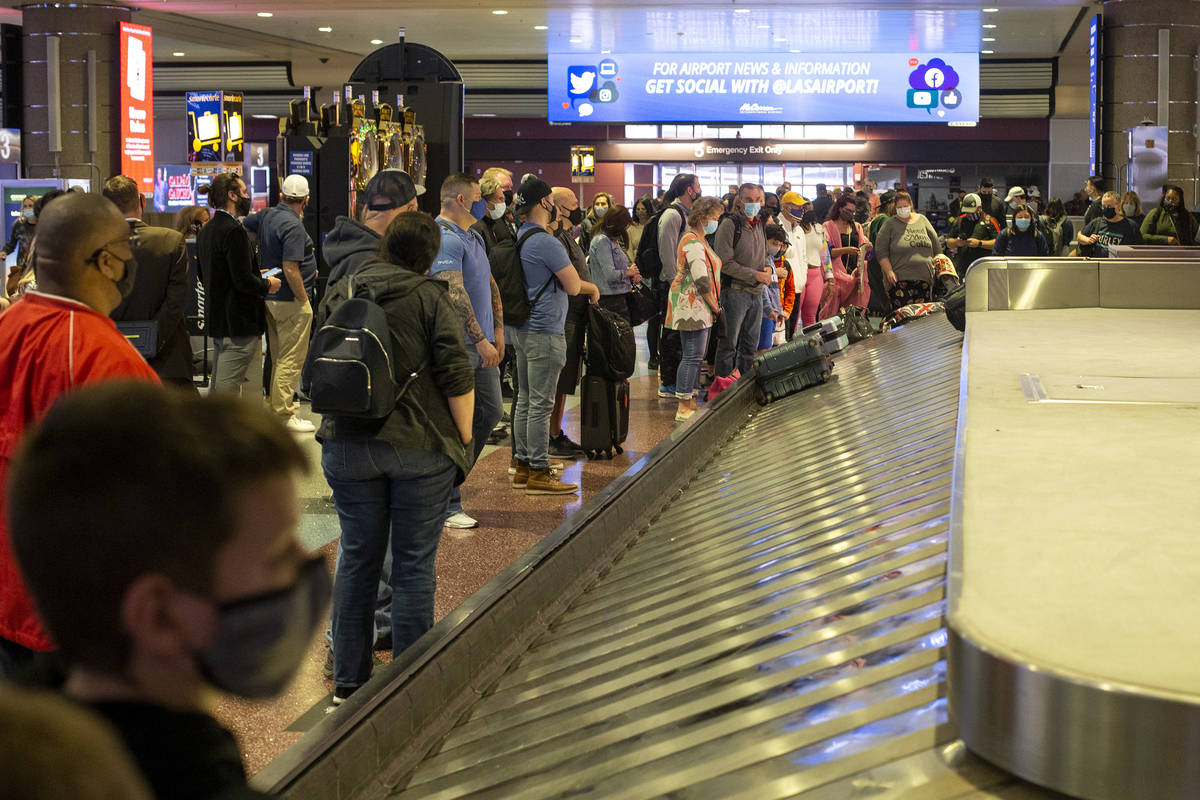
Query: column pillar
x=1131, y=72
x=80, y=28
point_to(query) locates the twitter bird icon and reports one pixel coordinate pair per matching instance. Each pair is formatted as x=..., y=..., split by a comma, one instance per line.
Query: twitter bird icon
x=580, y=81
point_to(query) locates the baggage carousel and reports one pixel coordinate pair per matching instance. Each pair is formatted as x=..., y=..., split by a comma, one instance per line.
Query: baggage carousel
x=757, y=608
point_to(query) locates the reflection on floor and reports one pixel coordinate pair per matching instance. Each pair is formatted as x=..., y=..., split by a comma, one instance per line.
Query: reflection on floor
x=510, y=523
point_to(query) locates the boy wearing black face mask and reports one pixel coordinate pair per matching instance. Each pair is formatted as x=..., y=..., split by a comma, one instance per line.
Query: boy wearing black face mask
x=973, y=234
x=1110, y=228
x=159, y=587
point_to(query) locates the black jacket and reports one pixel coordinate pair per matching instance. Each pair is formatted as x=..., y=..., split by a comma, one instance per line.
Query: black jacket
x=494, y=230
x=430, y=342
x=233, y=289
x=160, y=293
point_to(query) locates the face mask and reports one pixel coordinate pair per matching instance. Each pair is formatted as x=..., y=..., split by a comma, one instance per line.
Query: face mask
x=752, y=209
x=599, y=211
x=1110, y=213
x=985, y=192
x=710, y=227
x=553, y=212
x=261, y=640
x=1128, y=209
x=498, y=211
x=1170, y=204
x=1022, y=224
x=243, y=206
x=904, y=212
x=847, y=214
x=27, y=213
x=779, y=253
x=1016, y=204
x=575, y=216
x=479, y=209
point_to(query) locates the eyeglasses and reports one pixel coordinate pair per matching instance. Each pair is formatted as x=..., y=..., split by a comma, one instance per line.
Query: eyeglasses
x=131, y=240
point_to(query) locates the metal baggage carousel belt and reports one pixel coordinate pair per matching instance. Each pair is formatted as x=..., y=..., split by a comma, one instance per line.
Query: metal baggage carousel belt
x=778, y=628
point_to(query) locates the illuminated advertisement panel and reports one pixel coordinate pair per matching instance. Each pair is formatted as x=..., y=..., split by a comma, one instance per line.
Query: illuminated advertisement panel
x=137, y=105
x=764, y=87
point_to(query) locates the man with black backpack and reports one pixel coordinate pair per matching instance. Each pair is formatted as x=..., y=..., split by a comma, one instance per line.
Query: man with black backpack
x=656, y=259
x=548, y=279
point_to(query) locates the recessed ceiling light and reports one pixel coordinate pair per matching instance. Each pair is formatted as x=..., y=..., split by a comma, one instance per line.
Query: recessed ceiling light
x=499, y=12
x=178, y=54
x=541, y=27
x=987, y=52
x=989, y=26
x=989, y=38
x=377, y=41
x=990, y=10
x=265, y=14
x=325, y=29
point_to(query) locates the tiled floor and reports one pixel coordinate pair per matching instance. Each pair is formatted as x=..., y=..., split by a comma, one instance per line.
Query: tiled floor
x=509, y=524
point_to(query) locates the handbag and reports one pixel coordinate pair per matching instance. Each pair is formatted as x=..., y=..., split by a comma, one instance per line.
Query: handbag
x=642, y=304
x=858, y=327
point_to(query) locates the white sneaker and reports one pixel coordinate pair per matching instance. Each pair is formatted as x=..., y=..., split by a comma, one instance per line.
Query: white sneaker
x=461, y=520
x=298, y=425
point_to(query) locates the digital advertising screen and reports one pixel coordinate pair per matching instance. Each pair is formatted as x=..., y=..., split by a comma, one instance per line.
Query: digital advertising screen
x=137, y=104
x=204, y=126
x=232, y=125
x=173, y=187
x=764, y=87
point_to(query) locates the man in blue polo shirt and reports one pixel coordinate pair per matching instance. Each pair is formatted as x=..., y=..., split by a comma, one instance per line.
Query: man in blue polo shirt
x=462, y=262
x=284, y=244
x=541, y=346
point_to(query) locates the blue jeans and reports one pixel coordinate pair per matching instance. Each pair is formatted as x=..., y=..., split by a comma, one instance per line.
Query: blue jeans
x=383, y=599
x=489, y=408
x=687, y=379
x=540, y=357
x=383, y=493
x=742, y=316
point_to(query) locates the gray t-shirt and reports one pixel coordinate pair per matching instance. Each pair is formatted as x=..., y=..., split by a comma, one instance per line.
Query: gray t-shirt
x=909, y=247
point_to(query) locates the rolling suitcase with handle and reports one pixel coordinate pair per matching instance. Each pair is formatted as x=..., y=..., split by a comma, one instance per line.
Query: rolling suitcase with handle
x=789, y=368
x=603, y=416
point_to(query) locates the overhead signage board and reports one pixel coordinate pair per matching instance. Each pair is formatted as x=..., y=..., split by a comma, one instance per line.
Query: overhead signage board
x=10, y=146
x=204, y=126
x=583, y=163
x=232, y=127
x=763, y=87
x=137, y=104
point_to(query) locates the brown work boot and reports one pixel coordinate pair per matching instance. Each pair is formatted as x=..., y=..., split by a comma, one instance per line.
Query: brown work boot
x=520, y=474
x=542, y=481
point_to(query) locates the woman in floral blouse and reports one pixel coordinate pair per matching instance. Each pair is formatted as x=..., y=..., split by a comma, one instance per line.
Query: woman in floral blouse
x=693, y=301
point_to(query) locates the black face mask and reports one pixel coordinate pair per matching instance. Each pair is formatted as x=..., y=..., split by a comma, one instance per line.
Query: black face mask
x=575, y=216
x=1110, y=213
x=243, y=206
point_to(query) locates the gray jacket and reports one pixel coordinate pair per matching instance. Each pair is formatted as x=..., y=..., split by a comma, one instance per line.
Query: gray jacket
x=741, y=263
x=670, y=230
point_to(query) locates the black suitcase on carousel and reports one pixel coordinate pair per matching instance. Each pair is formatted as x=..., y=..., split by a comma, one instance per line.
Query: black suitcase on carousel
x=603, y=416
x=791, y=367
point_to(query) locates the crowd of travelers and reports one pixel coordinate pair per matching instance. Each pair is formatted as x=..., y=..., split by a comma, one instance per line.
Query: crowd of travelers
x=145, y=589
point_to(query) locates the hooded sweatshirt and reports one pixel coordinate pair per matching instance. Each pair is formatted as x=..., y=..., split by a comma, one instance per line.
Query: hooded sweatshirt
x=429, y=342
x=348, y=246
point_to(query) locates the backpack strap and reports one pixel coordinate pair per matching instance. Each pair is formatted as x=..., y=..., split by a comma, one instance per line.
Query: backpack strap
x=520, y=241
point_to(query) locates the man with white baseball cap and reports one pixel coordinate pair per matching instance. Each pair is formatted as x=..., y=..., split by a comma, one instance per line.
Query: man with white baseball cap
x=285, y=246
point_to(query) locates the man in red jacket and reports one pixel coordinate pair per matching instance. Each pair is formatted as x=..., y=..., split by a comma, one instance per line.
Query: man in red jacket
x=53, y=340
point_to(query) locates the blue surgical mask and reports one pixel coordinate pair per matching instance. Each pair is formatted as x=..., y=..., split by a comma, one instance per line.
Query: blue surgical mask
x=479, y=209
x=498, y=211
x=752, y=210
x=27, y=213
x=710, y=227
x=1022, y=224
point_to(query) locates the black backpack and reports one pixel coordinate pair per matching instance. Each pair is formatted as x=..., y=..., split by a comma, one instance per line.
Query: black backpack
x=647, y=258
x=611, y=350
x=351, y=366
x=505, y=260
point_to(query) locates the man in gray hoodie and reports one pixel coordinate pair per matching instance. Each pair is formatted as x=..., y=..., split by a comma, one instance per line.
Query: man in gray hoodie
x=350, y=244
x=745, y=270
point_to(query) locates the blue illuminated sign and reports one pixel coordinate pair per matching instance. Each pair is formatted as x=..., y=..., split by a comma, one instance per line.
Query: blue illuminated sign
x=1093, y=93
x=766, y=87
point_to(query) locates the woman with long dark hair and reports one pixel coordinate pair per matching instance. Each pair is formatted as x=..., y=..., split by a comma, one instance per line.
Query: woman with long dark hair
x=1170, y=222
x=608, y=259
x=845, y=237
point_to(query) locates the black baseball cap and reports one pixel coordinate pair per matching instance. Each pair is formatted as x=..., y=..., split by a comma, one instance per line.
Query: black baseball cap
x=390, y=188
x=531, y=192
